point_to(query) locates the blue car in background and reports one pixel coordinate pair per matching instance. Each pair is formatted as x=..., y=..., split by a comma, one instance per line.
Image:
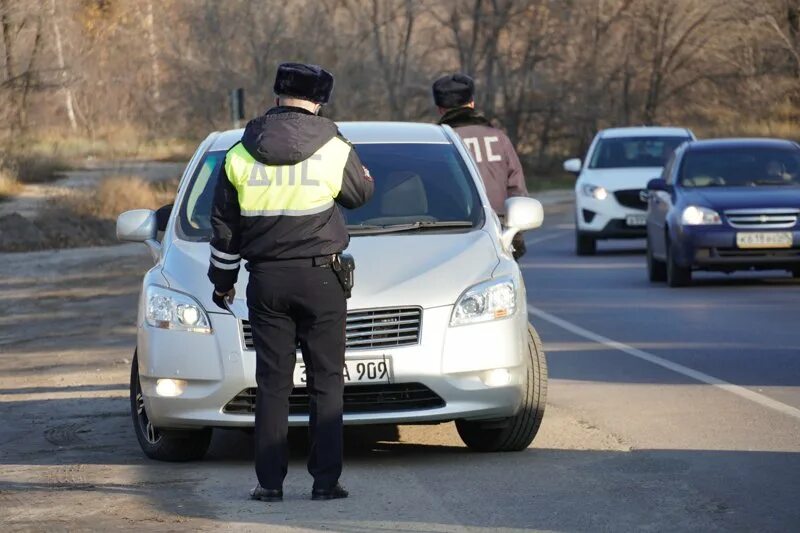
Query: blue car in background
x=725, y=205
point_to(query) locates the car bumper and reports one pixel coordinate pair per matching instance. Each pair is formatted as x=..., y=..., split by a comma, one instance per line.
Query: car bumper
x=716, y=249
x=452, y=362
x=607, y=219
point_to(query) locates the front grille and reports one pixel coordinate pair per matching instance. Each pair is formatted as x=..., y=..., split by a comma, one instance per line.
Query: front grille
x=358, y=399
x=762, y=218
x=371, y=328
x=631, y=198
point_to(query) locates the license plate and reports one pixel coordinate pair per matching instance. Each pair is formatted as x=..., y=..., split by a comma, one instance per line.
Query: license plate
x=636, y=220
x=777, y=239
x=370, y=370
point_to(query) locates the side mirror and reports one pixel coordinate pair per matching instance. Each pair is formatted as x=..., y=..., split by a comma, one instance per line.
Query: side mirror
x=522, y=214
x=140, y=225
x=658, y=184
x=573, y=165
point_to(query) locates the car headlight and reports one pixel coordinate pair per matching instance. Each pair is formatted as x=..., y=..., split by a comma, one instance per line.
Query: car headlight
x=696, y=216
x=485, y=301
x=595, y=191
x=168, y=309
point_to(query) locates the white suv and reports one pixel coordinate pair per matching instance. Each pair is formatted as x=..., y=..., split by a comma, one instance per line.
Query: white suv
x=611, y=194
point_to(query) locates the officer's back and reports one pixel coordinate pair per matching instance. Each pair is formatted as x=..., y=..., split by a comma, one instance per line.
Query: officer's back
x=276, y=207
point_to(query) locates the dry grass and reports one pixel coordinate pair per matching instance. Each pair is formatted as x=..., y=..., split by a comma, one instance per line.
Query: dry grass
x=116, y=194
x=120, y=142
x=9, y=184
x=37, y=168
x=84, y=217
x=16, y=171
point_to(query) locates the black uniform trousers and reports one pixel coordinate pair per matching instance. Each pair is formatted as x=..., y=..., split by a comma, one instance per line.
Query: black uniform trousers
x=287, y=304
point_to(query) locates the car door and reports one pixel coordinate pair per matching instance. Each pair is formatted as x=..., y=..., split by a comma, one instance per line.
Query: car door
x=658, y=206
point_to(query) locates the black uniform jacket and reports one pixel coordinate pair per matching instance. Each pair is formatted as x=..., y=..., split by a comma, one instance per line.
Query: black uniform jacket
x=282, y=136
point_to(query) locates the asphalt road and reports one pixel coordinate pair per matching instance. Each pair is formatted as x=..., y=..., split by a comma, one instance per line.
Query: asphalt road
x=702, y=383
x=668, y=410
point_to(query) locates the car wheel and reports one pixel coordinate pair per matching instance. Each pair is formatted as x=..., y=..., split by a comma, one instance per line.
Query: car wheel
x=656, y=270
x=795, y=273
x=160, y=444
x=677, y=275
x=585, y=244
x=517, y=432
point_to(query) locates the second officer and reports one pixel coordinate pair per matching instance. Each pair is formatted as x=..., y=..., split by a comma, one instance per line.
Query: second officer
x=276, y=205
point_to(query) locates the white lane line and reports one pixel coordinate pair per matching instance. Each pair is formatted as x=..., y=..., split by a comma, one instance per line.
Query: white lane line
x=742, y=392
x=558, y=233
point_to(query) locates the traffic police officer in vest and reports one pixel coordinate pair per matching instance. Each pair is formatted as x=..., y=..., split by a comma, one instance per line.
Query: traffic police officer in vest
x=276, y=206
x=491, y=149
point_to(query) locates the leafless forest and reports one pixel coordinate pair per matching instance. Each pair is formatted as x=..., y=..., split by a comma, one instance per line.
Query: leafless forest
x=551, y=72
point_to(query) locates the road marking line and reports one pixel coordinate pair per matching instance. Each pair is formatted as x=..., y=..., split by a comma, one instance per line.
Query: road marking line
x=738, y=390
x=558, y=233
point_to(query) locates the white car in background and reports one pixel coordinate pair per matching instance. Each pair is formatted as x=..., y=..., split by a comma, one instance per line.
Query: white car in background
x=611, y=191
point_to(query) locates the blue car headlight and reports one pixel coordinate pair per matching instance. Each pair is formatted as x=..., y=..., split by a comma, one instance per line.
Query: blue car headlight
x=694, y=215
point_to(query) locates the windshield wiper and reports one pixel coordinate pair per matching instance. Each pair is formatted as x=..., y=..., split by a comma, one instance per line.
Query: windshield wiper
x=413, y=226
x=773, y=182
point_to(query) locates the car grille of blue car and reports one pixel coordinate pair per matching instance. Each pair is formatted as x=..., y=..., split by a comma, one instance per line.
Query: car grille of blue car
x=358, y=399
x=370, y=328
x=772, y=218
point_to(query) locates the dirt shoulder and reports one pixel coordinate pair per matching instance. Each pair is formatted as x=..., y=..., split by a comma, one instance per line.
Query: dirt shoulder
x=58, y=214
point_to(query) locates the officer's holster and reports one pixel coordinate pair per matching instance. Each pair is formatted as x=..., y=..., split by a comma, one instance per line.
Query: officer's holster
x=344, y=266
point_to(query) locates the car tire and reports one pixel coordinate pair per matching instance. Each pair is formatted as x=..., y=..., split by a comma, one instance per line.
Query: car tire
x=656, y=270
x=677, y=275
x=585, y=244
x=517, y=432
x=159, y=444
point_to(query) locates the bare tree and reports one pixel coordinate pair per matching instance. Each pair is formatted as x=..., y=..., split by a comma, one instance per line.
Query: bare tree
x=62, y=68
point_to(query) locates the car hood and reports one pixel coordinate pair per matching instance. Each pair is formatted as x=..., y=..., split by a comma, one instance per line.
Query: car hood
x=617, y=179
x=743, y=197
x=425, y=270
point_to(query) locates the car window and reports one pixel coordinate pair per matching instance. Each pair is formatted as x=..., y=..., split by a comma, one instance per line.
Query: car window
x=741, y=167
x=633, y=152
x=416, y=183
x=195, y=212
x=413, y=183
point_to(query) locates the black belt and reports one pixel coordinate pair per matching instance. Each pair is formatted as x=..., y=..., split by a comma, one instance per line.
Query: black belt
x=323, y=261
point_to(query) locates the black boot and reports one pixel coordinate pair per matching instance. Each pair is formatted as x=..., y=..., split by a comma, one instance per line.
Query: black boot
x=266, y=495
x=333, y=493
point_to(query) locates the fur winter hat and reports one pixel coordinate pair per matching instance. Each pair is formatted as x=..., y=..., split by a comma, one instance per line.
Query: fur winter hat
x=309, y=82
x=453, y=90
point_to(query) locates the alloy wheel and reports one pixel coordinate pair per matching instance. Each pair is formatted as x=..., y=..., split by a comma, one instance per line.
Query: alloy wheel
x=151, y=434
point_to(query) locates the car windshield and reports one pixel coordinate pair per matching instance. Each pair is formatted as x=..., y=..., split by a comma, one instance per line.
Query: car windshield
x=418, y=187
x=741, y=167
x=634, y=152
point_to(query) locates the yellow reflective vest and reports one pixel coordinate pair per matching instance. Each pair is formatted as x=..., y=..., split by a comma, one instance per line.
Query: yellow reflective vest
x=305, y=188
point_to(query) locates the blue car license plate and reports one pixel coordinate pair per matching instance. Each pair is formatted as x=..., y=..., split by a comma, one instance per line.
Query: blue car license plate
x=759, y=239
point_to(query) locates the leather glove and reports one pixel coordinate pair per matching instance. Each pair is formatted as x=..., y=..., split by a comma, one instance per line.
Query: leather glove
x=220, y=298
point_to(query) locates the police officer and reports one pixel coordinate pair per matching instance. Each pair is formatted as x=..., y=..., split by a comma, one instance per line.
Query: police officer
x=275, y=206
x=492, y=150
